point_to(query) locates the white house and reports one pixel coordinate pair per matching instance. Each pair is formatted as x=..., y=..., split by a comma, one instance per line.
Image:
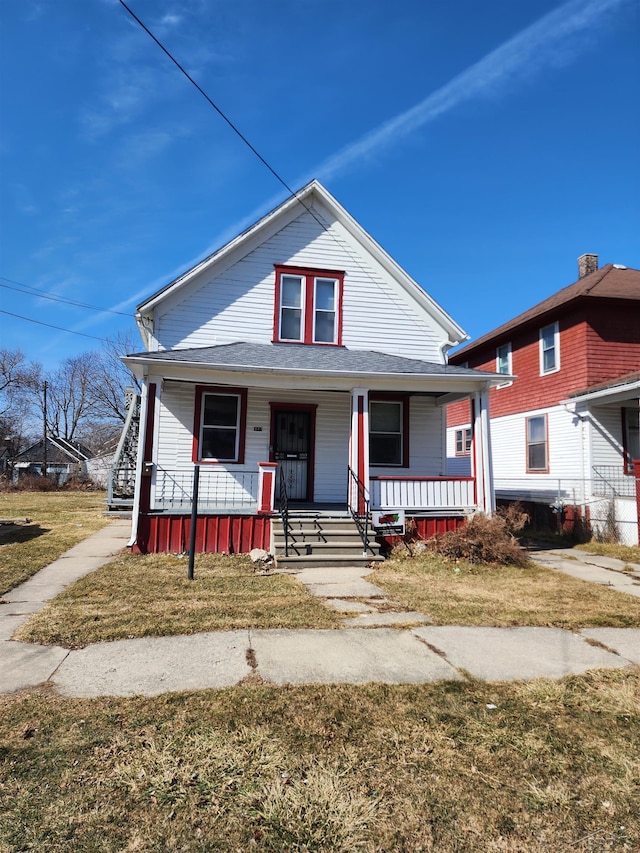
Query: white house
x=299, y=368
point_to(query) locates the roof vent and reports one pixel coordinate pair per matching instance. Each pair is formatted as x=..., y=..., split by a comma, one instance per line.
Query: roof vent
x=619, y=267
x=587, y=264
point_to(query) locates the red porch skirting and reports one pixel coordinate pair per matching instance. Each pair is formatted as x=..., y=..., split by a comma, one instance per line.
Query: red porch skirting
x=426, y=528
x=222, y=534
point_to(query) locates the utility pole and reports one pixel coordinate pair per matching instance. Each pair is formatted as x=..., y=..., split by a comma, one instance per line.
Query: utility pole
x=44, y=428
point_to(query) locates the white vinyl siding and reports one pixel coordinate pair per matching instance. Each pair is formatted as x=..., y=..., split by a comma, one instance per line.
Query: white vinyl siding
x=238, y=303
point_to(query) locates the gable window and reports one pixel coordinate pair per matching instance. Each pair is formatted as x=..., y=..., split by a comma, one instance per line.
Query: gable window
x=537, y=451
x=389, y=432
x=308, y=306
x=630, y=437
x=463, y=441
x=549, y=349
x=219, y=427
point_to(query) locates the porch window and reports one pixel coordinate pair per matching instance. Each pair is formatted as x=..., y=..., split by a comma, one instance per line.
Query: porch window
x=463, y=441
x=549, y=349
x=389, y=432
x=537, y=451
x=308, y=306
x=219, y=429
x=630, y=437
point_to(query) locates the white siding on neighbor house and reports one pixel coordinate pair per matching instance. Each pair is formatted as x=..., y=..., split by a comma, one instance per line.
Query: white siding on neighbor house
x=566, y=478
x=606, y=435
x=237, y=304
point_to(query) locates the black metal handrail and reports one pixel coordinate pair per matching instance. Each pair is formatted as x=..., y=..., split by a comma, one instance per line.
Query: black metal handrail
x=359, y=512
x=283, y=509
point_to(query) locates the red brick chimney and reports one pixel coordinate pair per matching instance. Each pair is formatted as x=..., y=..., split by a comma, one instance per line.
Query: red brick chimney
x=587, y=264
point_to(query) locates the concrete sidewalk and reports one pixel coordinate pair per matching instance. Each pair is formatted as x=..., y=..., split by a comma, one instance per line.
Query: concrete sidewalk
x=364, y=650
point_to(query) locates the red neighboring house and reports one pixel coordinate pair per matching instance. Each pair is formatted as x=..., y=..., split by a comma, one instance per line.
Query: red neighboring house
x=564, y=427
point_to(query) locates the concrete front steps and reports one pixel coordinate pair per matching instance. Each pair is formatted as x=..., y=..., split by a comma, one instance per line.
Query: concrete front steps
x=318, y=540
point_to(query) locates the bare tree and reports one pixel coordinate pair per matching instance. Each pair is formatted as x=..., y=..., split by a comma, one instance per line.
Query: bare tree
x=70, y=396
x=17, y=378
x=112, y=378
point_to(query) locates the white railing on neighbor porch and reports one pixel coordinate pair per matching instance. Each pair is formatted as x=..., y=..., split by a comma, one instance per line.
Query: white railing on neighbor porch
x=219, y=490
x=423, y=493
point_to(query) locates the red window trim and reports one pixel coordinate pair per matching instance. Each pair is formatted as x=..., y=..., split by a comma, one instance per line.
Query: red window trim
x=309, y=275
x=546, y=444
x=197, y=411
x=395, y=398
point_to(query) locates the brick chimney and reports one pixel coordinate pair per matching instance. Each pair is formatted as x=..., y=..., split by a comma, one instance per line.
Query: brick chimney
x=587, y=264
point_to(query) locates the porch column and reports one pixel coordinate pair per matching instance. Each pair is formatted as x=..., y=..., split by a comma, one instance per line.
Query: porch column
x=266, y=487
x=482, y=458
x=636, y=474
x=149, y=401
x=359, y=447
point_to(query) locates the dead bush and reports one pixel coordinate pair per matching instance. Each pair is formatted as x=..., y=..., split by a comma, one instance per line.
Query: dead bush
x=32, y=483
x=481, y=540
x=514, y=516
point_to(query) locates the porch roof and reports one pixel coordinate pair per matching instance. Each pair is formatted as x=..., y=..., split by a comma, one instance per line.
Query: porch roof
x=305, y=359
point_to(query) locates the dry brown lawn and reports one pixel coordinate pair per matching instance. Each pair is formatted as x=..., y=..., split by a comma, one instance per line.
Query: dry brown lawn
x=59, y=520
x=378, y=769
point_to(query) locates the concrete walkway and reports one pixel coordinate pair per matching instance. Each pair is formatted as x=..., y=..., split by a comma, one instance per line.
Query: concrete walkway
x=414, y=652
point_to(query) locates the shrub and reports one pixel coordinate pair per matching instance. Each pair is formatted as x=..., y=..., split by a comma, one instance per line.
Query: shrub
x=483, y=540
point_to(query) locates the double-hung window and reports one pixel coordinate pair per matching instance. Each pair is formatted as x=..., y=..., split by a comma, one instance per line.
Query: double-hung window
x=537, y=450
x=308, y=306
x=549, y=349
x=389, y=432
x=503, y=361
x=463, y=441
x=630, y=437
x=219, y=428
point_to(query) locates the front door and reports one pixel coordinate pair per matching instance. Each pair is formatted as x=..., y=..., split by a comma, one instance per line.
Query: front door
x=292, y=450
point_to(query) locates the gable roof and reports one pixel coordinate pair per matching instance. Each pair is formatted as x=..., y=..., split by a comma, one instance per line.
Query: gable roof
x=610, y=282
x=278, y=218
x=59, y=452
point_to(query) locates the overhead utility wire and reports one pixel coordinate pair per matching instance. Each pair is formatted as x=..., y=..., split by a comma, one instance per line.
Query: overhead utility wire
x=50, y=326
x=221, y=114
x=43, y=294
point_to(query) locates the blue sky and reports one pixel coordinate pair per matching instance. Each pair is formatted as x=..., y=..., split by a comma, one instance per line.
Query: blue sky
x=484, y=143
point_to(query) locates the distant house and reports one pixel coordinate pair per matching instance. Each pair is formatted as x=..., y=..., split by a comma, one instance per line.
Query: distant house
x=565, y=432
x=65, y=460
x=304, y=375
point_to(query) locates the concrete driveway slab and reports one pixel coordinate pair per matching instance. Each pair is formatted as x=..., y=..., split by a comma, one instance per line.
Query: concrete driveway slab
x=150, y=666
x=23, y=665
x=624, y=641
x=349, y=656
x=506, y=654
x=589, y=568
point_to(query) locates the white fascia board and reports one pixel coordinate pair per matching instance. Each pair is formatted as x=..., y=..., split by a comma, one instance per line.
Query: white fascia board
x=614, y=394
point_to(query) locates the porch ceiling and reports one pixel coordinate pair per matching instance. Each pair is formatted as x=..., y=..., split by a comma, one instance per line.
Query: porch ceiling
x=315, y=366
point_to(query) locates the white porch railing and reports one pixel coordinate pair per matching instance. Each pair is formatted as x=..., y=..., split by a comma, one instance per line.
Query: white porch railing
x=423, y=493
x=218, y=490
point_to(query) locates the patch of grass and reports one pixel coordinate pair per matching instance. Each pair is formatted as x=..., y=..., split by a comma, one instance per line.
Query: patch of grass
x=59, y=521
x=143, y=596
x=556, y=766
x=628, y=553
x=460, y=593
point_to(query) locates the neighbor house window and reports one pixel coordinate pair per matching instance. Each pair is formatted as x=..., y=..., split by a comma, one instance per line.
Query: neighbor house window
x=549, y=349
x=630, y=437
x=503, y=361
x=389, y=431
x=537, y=451
x=219, y=428
x=308, y=306
x=463, y=441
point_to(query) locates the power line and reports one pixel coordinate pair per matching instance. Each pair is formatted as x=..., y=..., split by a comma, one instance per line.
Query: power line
x=50, y=326
x=221, y=113
x=43, y=294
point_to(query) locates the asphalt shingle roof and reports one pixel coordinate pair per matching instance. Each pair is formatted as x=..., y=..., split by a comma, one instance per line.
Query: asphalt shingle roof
x=306, y=359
